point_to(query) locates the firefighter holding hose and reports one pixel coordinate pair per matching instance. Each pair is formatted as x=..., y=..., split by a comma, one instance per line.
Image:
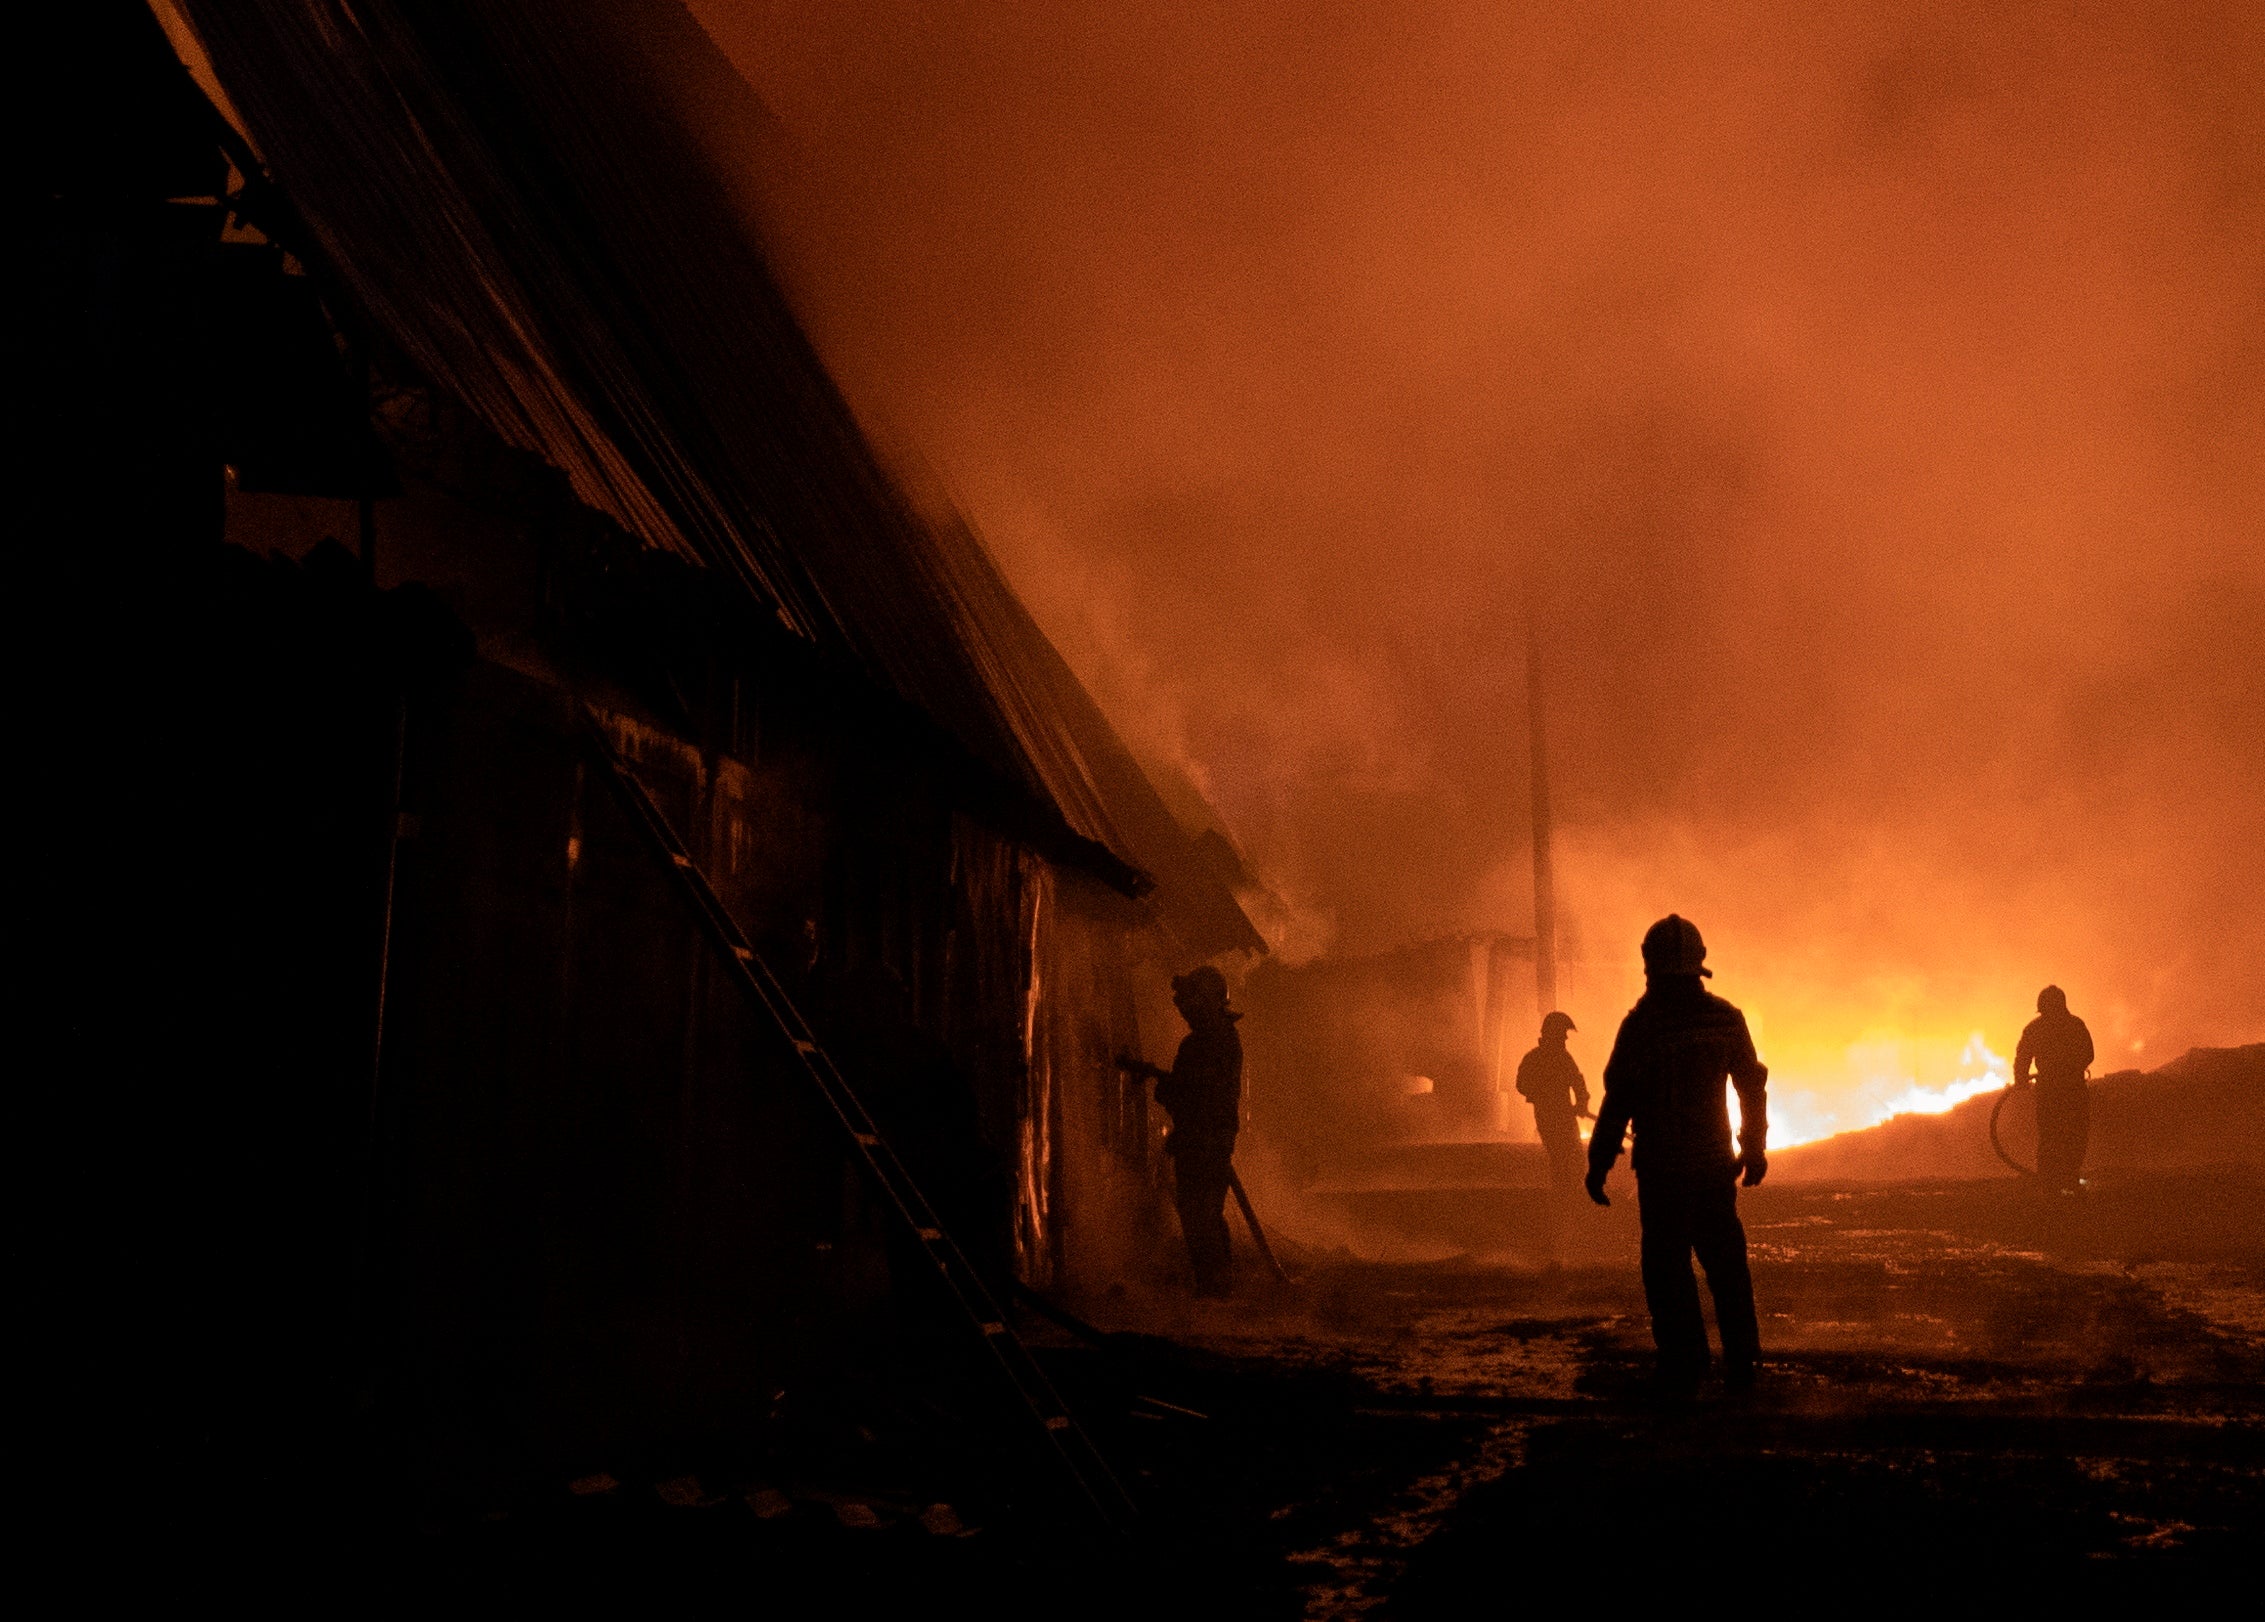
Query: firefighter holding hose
x=2058, y=1047
x=1550, y=1079
x=1203, y=1093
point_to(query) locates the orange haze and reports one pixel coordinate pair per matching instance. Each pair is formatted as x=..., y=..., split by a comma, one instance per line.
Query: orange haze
x=1879, y=390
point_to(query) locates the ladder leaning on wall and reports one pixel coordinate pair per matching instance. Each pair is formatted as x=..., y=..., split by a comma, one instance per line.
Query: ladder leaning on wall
x=1060, y=1437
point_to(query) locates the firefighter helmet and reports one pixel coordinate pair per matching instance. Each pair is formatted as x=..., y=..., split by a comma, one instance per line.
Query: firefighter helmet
x=1202, y=987
x=1673, y=946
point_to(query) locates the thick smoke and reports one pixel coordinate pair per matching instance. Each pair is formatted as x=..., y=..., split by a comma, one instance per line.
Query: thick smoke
x=1875, y=393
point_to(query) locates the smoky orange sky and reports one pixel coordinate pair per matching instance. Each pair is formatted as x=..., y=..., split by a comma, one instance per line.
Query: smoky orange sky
x=1877, y=392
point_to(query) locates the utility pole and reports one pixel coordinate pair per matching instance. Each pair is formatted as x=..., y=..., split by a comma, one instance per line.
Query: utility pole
x=1545, y=881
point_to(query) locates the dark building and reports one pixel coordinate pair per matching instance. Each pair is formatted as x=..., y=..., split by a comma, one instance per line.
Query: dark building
x=1409, y=1046
x=385, y=435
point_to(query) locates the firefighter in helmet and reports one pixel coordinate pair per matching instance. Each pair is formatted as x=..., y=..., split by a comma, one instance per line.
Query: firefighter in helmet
x=1550, y=1080
x=1676, y=1049
x=1203, y=1094
x=2058, y=1046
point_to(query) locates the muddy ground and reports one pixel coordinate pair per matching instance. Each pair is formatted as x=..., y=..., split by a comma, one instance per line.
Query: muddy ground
x=1970, y=1391
x=1967, y=1384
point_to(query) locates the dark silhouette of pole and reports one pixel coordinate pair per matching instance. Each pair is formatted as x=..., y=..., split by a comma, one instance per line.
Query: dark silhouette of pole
x=1545, y=882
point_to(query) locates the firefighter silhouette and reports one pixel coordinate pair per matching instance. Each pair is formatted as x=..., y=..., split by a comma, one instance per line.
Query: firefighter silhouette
x=1550, y=1080
x=1676, y=1049
x=2058, y=1046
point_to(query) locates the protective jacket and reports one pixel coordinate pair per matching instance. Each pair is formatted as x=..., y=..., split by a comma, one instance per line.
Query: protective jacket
x=1204, y=1091
x=1550, y=1079
x=1676, y=1048
x=2059, y=1045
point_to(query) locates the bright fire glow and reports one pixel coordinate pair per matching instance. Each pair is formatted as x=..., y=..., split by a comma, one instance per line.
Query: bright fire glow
x=1884, y=1076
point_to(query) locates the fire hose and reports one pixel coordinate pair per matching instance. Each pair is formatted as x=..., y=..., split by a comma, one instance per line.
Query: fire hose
x=1997, y=1110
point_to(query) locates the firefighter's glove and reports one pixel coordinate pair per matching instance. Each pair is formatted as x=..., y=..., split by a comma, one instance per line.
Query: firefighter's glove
x=1754, y=1165
x=1595, y=1185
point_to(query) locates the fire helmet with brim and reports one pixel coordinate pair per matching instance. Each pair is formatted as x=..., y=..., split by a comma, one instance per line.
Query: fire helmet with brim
x=1556, y=1024
x=1673, y=946
x=1203, y=987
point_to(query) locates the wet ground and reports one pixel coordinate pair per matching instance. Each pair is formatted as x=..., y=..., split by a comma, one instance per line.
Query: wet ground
x=1969, y=1387
x=1971, y=1391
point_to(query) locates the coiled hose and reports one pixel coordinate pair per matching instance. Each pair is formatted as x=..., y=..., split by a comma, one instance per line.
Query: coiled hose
x=1997, y=1110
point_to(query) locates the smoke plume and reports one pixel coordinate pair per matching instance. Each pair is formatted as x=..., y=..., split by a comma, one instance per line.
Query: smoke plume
x=1873, y=395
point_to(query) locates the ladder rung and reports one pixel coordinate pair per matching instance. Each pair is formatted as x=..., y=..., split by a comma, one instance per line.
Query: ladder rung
x=1073, y=1449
